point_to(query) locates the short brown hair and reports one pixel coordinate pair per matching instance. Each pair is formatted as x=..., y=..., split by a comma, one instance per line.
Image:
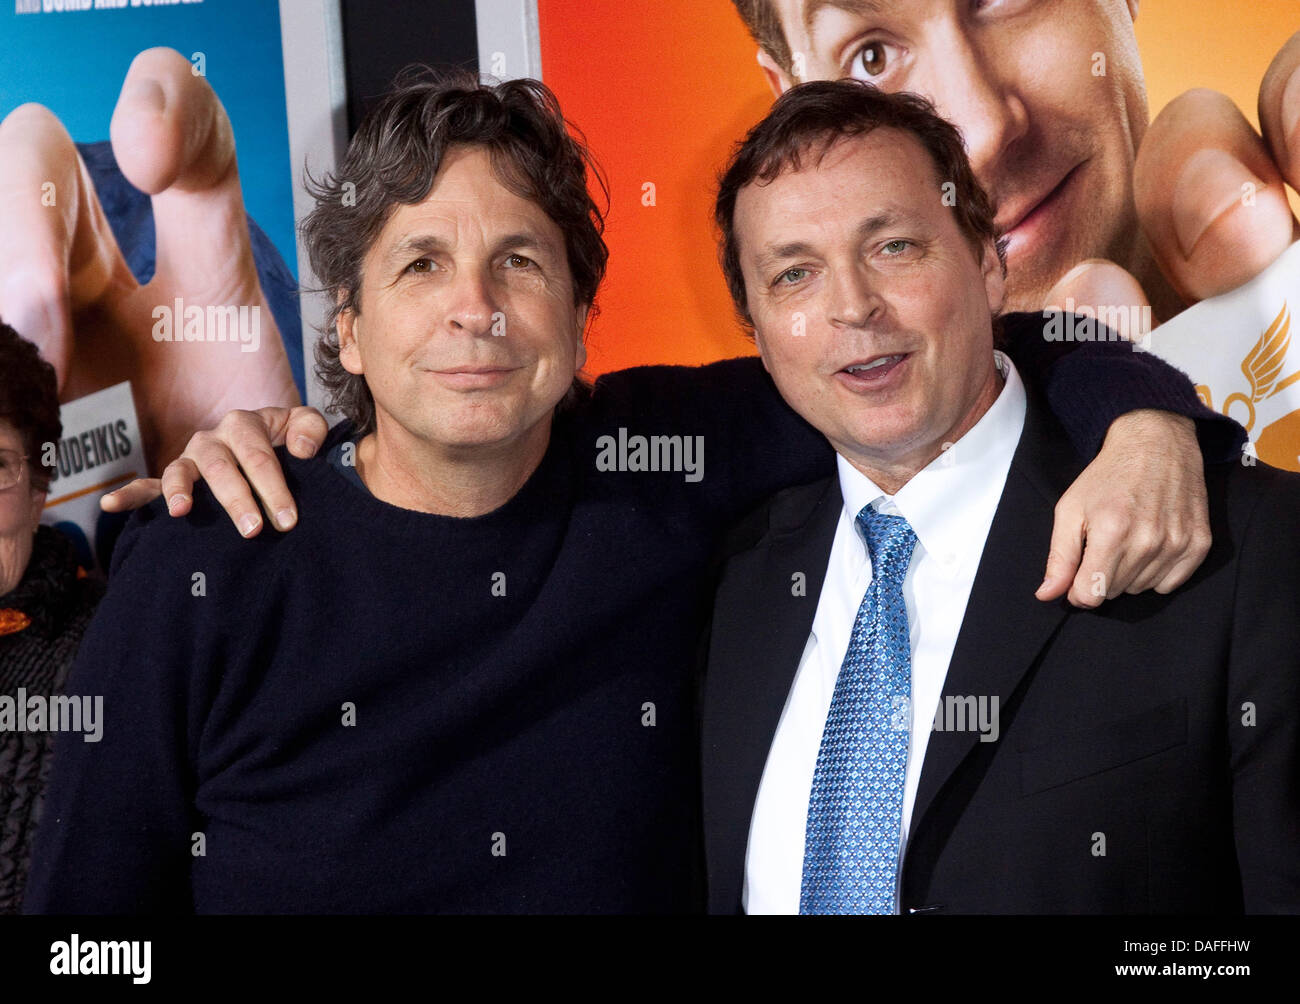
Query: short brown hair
x=29, y=400
x=393, y=160
x=807, y=120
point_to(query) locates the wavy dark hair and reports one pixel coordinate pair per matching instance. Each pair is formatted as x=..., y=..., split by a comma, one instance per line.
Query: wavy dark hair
x=29, y=400
x=806, y=120
x=393, y=160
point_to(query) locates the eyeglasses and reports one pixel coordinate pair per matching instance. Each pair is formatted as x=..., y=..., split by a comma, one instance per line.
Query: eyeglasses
x=11, y=468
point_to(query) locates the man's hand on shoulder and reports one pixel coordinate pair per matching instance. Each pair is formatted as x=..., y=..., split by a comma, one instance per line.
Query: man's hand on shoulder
x=237, y=459
x=1137, y=518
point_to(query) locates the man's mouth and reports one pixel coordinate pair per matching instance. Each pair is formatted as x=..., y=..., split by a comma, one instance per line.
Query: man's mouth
x=1039, y=223
x=874, y=372
x=473, y=377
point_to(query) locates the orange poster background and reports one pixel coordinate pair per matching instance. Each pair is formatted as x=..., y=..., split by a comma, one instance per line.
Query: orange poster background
x=662, y=89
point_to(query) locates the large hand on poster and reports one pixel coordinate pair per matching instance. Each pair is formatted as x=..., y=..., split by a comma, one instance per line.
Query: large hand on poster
x=1209, y=193
x=65, y=285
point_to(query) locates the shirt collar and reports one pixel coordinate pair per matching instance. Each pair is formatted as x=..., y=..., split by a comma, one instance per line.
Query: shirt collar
x=973, y=471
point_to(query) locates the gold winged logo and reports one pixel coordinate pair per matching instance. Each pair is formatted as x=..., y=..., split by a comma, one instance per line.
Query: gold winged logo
x=1263, y=365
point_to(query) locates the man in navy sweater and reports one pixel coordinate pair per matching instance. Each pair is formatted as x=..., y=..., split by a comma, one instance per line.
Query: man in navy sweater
x=464, y=682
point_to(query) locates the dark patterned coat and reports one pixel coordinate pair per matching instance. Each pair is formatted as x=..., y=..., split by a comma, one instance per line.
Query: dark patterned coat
x=59, y=604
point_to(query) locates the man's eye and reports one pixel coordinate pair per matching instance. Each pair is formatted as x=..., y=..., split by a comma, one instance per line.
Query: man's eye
x=517, y=261
x=896, y=247
x=870, y=61
x=420, y=265
x=790, y=276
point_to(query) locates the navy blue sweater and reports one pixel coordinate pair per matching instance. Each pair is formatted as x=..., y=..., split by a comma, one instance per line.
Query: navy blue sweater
x=390, y=711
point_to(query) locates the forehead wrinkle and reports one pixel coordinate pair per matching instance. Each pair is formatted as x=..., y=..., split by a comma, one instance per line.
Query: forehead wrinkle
x=815, y=7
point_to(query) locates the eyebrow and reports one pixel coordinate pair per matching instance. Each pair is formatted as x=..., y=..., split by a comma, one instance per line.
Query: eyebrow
x=795, y=249
x=815, y=7
x=415, y=245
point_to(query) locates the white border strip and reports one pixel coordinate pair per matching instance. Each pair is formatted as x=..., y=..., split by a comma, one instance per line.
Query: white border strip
x=509, y=43
x=311, y=40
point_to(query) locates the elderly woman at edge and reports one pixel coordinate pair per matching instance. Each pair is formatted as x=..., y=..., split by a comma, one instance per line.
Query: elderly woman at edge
x=45, y=604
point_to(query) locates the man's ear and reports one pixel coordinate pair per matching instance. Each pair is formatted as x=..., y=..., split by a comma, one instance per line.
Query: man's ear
x=777, y=78
x=349, y=354
x=580, y=356
x=995, y=281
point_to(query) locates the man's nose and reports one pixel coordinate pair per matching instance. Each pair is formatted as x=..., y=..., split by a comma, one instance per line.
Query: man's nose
x=855, y=298
x=972, y=89
x=472, y=305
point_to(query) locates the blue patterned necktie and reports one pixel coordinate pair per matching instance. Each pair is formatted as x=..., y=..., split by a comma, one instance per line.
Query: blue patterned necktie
x=855, y=812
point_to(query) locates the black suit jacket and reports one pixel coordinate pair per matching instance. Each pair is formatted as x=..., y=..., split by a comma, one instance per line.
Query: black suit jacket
x=1148, y=752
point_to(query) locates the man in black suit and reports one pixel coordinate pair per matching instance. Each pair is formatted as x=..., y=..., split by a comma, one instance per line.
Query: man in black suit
x=892, y=721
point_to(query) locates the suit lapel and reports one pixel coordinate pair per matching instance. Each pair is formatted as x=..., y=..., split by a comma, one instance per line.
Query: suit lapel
x=760, y=628
x=1005, y=627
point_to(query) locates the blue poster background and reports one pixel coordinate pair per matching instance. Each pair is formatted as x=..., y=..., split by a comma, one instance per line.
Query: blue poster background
x=73, y=62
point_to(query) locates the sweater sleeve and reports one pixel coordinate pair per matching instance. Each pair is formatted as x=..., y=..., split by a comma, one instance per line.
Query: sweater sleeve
x=755, y=444
x=750, y=442
x=118, y=827
x=1089, y=384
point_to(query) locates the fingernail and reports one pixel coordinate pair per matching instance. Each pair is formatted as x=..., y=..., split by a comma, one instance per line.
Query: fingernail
x=1291, y=104
x=305, y=446
x=284, y=519
x=1075, y=272
x=148, y=94
x=176, y=500
x=1211, y=182
x=248, y=523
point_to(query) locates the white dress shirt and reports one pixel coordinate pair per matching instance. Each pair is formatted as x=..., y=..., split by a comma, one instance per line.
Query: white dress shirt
x=950, y=505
